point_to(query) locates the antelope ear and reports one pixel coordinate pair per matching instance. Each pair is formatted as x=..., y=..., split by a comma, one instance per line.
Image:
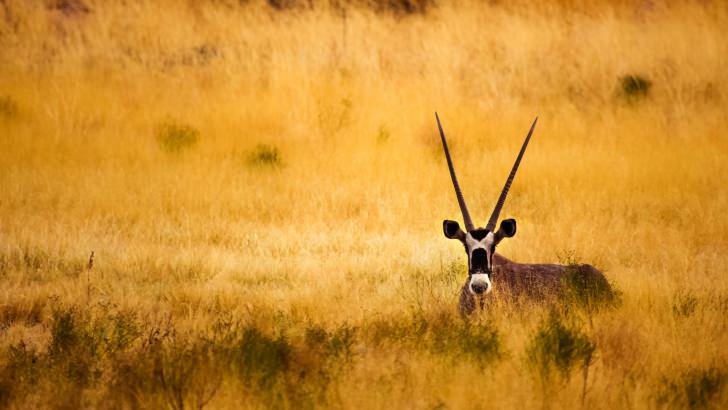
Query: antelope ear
x=507, y=230
x=452, y=230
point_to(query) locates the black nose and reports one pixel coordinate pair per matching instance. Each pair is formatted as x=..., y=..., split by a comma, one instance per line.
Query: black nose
x=479, y=288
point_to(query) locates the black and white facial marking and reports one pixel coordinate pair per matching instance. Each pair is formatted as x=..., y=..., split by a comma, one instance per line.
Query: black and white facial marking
x=480, y=247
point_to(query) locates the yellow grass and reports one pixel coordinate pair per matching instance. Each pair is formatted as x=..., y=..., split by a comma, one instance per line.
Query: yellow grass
x=344, y=231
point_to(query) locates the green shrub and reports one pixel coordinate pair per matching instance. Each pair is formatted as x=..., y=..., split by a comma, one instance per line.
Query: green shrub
x=123, y=331
x=175, y=138
x=64, y=332
x=8, y=107
x=20, y=373
x=322, y=359
x=694, y=389
x=462, y=339
x=581, y=287
x=261, y=358
x=383, y=135
x=558, y=347
x=80, y=341
x=334, y=345
x=401, y=7
x=634, y=87
x=685, y=304
x=396, y=7
x=265, y=155
x=167, y=372
x=442, y=334
x=290, y=4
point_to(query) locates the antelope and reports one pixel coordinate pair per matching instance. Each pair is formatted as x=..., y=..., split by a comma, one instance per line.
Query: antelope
x=486, y=267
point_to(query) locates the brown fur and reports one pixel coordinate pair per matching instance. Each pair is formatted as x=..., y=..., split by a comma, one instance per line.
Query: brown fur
x=540, y=282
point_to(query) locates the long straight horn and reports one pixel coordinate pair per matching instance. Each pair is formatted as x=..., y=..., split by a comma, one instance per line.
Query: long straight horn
x=461, y=201
x=502, y=199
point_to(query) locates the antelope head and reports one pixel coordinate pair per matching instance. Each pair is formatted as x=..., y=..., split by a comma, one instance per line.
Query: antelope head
x=480, y=243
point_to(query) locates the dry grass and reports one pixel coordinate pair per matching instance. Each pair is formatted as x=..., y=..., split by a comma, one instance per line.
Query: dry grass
x=264, y=191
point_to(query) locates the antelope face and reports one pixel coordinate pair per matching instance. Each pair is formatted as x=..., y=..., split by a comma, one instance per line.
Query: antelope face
x=480, y=247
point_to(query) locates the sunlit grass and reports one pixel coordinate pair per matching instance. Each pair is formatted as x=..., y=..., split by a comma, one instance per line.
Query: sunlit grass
x=264, y=189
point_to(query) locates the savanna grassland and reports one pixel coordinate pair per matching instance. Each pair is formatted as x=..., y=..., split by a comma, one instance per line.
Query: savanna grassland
x=263, y=189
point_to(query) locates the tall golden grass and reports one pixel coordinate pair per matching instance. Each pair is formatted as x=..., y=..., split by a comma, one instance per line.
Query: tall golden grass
x=264, y=189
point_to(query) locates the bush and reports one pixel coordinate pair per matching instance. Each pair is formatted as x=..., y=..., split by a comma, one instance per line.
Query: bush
x=8, y=107
x=336, y=345
x=581, y=286
x=685, y=304
x=281, y=370
x=322, y=358
x=443, y=335
x=634, y=87
x=401, y=7
x=261, y=358
x=694, y=389
x=175, y=137
x=265, y=155
x=396, y=7
x=556, y=346
x=383, y=135
x=167, y=372
x=20, y=373
x=476, y=342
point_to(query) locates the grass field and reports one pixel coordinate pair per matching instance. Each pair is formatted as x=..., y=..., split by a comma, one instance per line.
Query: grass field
x=263, y=190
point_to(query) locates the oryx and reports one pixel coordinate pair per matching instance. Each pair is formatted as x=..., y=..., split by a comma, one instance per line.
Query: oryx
x=485, y=267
